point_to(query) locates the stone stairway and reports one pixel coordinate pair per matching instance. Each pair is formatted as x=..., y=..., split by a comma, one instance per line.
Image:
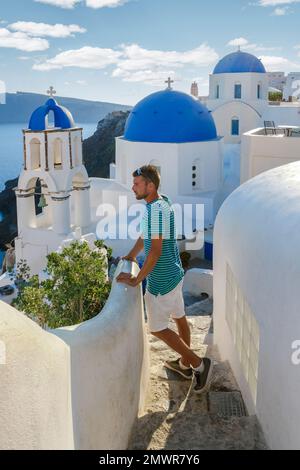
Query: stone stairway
x=177, y=419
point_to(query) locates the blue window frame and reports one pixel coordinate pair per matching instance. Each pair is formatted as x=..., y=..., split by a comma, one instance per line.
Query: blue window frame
x=258, y=91
x=237, y=91
x=235, y=126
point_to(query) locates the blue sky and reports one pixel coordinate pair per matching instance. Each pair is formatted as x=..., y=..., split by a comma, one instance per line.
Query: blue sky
x=120, y=51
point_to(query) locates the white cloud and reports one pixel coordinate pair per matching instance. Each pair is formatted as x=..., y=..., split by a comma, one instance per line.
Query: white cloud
x=238, y=42
x=246, y=45
x=138, y=58
x=22, y=41
x=86, y=58
x=105, y=3
x=276, y=63
x=89, y=3
x=280, y=11
x=60, y=3
x=151, y=77
x=274, y=3
x=43, y=29
x=133, y=63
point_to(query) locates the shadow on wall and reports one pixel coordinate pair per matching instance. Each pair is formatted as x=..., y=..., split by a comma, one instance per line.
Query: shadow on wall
x=79, y=387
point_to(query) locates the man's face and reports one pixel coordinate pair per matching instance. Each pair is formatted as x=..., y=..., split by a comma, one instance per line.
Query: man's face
x=141, y=187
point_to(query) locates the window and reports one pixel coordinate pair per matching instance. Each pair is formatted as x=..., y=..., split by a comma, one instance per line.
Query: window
x=259, y=91
x=237, y=91
x=218, y=92
x=35, y=154
x=235, y=126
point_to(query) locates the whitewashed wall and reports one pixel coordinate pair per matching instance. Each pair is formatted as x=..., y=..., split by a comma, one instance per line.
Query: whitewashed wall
x=74, y=388
x=261, y=152
x=256, y=298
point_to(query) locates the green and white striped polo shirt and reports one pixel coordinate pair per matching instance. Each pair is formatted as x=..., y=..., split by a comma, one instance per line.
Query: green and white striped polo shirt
x=159, y=219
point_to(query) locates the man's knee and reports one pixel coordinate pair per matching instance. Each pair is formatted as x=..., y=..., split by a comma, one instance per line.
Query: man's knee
x=159, y=334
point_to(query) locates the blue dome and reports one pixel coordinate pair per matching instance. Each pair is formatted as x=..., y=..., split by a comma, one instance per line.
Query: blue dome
x=170, y=117
x=62, y=117
x=239, y=62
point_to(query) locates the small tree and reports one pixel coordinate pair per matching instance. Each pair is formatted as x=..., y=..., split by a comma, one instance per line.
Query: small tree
x=76, y=290
x=275, y=96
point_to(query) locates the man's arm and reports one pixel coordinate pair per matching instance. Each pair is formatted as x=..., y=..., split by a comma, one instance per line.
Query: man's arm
x=135, y=250
x=150, y=262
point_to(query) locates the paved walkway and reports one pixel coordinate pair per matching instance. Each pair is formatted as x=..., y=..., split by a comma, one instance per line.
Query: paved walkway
x=177, y=419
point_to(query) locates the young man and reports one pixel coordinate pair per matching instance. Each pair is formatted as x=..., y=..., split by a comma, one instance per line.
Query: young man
x=164, y=273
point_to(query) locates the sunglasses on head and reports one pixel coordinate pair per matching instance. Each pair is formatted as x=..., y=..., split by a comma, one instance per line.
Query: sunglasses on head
x=139, y=172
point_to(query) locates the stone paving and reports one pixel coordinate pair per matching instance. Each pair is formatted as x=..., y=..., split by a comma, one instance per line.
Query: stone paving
x=177, y=419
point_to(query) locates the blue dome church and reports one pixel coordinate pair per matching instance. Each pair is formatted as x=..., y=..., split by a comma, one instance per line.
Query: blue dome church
x=238, y=95
x=176, y=133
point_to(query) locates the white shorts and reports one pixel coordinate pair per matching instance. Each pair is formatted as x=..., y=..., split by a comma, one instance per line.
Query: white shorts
x=160, y=308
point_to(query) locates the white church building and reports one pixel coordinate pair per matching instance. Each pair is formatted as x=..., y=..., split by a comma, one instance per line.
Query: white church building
x=238, y=97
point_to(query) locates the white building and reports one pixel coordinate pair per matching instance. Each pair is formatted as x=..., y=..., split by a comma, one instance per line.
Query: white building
x=238, y=98
x=238, y=95
x=261, y=152
x=291, y=91
x=256, y=298
x=174, y=132
x=52, y=156
x=277, y=80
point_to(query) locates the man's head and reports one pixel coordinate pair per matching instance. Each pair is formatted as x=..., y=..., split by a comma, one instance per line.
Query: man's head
x=146, y=181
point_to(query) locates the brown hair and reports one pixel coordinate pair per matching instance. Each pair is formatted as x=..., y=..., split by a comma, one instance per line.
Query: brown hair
x=150, y=173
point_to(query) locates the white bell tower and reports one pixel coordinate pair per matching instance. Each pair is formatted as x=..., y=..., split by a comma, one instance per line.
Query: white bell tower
x=54, y=175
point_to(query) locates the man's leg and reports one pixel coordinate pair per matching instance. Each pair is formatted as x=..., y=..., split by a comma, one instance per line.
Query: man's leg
x=175, y=342
x=184, y=330
x=184, y=333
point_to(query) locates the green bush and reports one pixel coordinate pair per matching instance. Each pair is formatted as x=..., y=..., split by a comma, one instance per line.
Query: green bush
x=76, y=290
x=275, y=96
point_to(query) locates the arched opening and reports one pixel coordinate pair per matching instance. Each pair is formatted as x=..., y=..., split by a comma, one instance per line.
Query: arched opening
x=235, y=126
x=78, y=151
x=57, y=151
x=35, y=154
x=196, y=175
x=50, y=119
x=42, y=203
x=80, y=201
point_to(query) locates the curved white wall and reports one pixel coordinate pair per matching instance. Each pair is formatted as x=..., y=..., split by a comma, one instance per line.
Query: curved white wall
x=198, y=281
x=257, y=246
x=79, y=387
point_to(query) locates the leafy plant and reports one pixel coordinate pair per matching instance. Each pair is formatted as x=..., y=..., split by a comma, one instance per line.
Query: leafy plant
x=75, y=291
x=185, y=259
x=275, y=96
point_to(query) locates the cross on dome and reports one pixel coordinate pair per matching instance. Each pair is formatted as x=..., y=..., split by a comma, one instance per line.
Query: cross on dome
x=169, y=83
x=51, y=92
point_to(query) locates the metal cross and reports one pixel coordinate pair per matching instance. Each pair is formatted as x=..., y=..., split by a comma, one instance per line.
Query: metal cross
x=169, y=82
x=51, y=92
